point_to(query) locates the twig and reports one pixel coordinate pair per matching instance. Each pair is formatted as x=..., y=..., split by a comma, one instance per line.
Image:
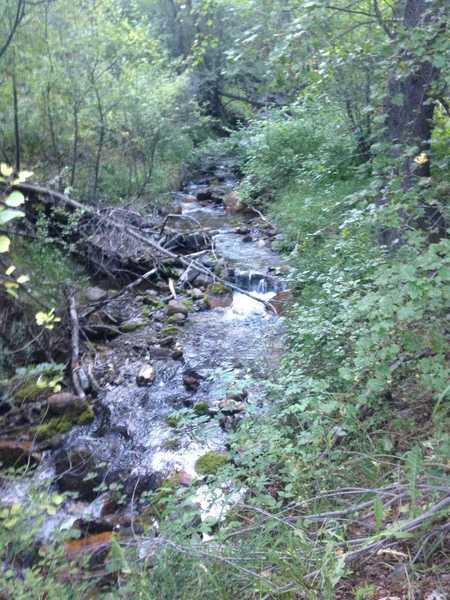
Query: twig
x=75, y=331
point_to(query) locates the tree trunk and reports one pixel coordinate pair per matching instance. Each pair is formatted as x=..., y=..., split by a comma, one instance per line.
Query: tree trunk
x=16, y=116
x=409, y=107
x=101, y=141
x=76, y=139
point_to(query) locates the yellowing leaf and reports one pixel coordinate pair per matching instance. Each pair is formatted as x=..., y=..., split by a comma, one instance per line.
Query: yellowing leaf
x=10, y=270
x=6, y=170
x=5, y=243
x=23, y=176
x=421, y=159
x=41, y=318
x=23, y=279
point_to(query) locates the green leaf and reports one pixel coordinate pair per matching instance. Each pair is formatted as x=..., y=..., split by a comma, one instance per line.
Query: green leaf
x=8, y=214
x=5, y=243
x=15, y=199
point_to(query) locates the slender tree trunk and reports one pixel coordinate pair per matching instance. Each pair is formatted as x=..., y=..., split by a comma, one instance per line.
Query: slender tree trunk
x=51, y=126
x=16, y=117
x=76, y=140
x=100, y=143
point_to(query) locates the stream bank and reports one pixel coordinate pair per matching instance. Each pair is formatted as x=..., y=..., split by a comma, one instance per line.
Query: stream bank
x=170, y=377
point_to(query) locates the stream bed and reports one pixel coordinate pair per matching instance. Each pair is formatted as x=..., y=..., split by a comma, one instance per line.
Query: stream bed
x=148, y=431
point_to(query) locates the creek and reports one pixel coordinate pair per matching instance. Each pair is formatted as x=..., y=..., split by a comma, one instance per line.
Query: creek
x=149, y=432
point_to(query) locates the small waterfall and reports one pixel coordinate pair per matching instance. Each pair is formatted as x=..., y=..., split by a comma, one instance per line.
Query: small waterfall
x=252, y=281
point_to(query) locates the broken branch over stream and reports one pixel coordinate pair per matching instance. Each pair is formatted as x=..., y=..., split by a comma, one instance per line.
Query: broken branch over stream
x=158, y=251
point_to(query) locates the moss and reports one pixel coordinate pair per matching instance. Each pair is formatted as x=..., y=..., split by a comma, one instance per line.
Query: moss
x=170, y=330
x=61, y=425
x=153, y=303
x=189, y=304
x=217, y=289
x=146, y=312
x=132, y=326
x=175, y=319
x=30, y=390
x=211, y=462
x=173, y=420
x=201, y=408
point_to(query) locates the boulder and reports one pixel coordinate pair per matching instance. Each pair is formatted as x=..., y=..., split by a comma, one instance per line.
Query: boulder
x=281, y=301
x=233, y=203
x=146, y=375
x=204, y=196
x=177, y=353
x=17, y=454
x=191, y=380
x=218, y=296
x=94, y=548
x=175, y=307
x=177, y=318
x=196, y=294
x=60, y=404
x=136, y=485
x=231, y=407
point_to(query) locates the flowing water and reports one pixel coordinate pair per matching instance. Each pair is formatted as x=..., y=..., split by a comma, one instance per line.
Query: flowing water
x=230, y=348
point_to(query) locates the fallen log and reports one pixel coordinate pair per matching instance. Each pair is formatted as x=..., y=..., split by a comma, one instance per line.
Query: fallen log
x=134, y=233
x=127, y=288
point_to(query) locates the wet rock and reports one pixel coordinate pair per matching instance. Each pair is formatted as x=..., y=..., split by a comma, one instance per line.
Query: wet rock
x=233, y=203
x=146, y=375
x=185, y=479
x=188, y=198
x=95, y=294
x=243, y=230
x=281, y=301
x=95, y=547
x=196, y=294
x=202, y=280
x=60, y=404
x=218, y=296
x=231, y=407
x=131, y=326
x=260, y=244
x=247, y=239
x=136, y=485
x=77, y=471
x=191, y=380
x=174, y=307
x=177, y=353
x=167, y=342
x=239, y=396
x=204, y=196
x=17, y=454
x=177, y=318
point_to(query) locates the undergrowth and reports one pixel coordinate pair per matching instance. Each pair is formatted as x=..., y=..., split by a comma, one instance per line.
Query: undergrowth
x=346, y=477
